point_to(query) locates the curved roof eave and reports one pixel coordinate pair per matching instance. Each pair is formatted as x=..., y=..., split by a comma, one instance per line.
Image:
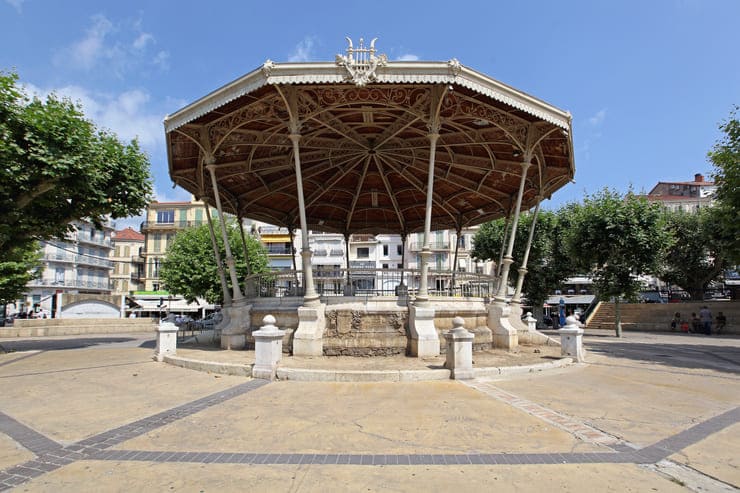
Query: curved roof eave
x=393, y=72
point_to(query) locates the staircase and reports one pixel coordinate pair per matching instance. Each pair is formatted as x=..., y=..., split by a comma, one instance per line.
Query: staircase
x=658, y=316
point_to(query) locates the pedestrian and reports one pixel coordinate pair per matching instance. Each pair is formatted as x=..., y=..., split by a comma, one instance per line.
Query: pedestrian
x=721, y=321
x=695, y=323
x=676, y=322
x=706, y=320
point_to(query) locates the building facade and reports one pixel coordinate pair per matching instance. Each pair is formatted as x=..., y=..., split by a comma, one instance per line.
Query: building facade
x=79, y=264
x=687, y=196
x=128, y=263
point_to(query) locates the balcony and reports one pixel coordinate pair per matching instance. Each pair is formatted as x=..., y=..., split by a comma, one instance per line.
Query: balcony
x=84, y=237
x=71, y=284
x=72, y=258
x=362, y=238
x=434, y=245
x=275, y=249
x=173, y=226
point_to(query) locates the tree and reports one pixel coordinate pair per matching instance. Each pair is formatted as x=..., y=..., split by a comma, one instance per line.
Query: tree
x=18, y=266
x=190, y=267
x=547, y=266
x=616, y=239
x=57, y=167
x=698, y=253
x=725, y=156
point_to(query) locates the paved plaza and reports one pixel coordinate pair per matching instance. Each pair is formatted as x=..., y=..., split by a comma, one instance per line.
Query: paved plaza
x=648, y=412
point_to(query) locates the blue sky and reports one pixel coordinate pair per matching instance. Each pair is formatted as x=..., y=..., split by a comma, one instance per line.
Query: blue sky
x=647, y=82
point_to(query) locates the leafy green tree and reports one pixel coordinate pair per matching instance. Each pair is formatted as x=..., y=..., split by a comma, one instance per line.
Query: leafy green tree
x=547, y=265
x=18, y=266
x=57, y=167
x=698, y=253
x=725, y=156
x=190, y=267
x=616, y=238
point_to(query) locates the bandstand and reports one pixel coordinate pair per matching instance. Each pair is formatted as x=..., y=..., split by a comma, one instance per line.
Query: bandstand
x=368, y=145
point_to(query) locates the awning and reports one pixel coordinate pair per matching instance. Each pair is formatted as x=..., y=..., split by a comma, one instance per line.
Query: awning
x=275, y=239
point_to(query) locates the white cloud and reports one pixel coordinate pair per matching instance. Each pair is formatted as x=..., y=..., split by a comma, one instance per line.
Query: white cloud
x=127, y=114
x=303, y=51
x=116, y=47
x=598, y=118
x=408, y=57
x=16, y=4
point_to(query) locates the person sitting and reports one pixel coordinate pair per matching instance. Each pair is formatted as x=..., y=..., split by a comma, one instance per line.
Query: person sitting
x=675, y=323
x=721, y=321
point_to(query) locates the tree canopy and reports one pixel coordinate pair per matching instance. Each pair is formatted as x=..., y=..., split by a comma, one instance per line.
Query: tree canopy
x=725, y=156
x=617, y=238
x=190, y=267
x=59, y=167
x=548, y=264
x=18, y=266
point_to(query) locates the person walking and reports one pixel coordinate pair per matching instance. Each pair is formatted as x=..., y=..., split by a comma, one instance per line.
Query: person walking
x=706, y=320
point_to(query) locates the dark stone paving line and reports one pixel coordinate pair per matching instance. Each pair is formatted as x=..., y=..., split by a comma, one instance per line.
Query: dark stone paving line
x=52, y=455
x=35, y=353
x=27, y=437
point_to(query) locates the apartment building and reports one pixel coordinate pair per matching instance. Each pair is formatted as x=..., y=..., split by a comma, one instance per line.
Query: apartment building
x=688, y=196
x=128, y=264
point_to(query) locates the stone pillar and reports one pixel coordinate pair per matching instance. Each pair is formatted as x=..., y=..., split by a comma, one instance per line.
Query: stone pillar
x=571, y=340
x=227, y=247
x=268, y=349
x=459, y=351
x=424, y=337
x=235, y=324
x=531, y=322
x=166, y=340
x=308, y=339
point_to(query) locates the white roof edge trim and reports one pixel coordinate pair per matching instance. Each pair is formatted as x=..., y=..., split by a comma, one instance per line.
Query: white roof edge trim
x=394, y=72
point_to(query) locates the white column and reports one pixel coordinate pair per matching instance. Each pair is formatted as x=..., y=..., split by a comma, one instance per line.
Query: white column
x=310, y=297
x=229, y=257
x=217, y=254
x=523, y=269
x=508, y=259
x=423, y=295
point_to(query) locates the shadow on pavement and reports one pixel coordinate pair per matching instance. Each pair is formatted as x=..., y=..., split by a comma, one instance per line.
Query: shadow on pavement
x=720, y=358
x=58, y=344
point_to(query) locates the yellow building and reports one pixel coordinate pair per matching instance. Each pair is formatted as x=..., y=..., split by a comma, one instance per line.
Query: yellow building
x=163, y=221
x=128, y=264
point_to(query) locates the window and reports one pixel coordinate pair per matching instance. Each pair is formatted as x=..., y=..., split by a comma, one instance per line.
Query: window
x=385, y=251
x=157, y=242
x=198, y=216
x=127, y=251
x=399, y=249
x=92, y=233
x=399, y=266
x=167, y=217
x=363, y=252
x=59, y=275
x=385, y=266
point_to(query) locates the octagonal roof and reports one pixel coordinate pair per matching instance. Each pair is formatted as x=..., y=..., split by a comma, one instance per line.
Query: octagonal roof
x=364, y=145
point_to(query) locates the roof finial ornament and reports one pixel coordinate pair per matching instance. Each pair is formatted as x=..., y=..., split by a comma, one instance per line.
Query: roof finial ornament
x=361, y=62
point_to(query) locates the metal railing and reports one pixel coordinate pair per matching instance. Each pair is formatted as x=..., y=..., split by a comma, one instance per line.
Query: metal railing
x=78, y=259
x=170, y=225
x=332, y=281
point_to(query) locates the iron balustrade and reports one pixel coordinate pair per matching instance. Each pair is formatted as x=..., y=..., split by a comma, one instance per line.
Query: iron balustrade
x=334, y=281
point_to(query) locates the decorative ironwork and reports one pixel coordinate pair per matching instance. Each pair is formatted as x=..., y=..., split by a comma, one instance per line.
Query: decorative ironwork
x=361, y=62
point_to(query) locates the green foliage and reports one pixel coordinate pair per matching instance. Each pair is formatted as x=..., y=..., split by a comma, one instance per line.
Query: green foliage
x=697, y=255
x=617, y=238
x=18, y=266
x=548, y=264
x=190, y=267
x=725, y=156
x=58, y=167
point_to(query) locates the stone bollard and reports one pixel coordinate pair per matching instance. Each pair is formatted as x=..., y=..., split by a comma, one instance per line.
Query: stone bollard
x=268, y=349
x=459, y=351
x=571, y=340
x=531, y=322
x=166, y=340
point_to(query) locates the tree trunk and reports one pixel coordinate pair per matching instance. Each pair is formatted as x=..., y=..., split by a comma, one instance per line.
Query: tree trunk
x=539, y=313
x=617, y=317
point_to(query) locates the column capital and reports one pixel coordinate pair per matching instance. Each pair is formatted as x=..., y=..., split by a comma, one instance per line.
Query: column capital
x=433, y=135
x=295, y=137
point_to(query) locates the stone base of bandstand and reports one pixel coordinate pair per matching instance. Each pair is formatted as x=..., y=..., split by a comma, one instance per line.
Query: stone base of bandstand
x=235, y=325
x=505, y=335
x=424, y=342
x=308, y=337
x=527, y=333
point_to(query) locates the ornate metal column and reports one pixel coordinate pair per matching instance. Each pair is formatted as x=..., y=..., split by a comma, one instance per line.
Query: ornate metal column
x=229, y=257
x=523, y=269
x=508, y=259
x=217, y=254
x=310, y=297
x=426, y=251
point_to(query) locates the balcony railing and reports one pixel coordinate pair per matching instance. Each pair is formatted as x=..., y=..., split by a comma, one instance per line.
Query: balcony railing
x=73, y=284
x=148, y=225
x=332, y=281
x=83, y=237
x=434, y=245
x=78, y=259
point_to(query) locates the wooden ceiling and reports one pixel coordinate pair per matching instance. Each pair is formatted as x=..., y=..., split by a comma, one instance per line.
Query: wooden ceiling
x=364, y=155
